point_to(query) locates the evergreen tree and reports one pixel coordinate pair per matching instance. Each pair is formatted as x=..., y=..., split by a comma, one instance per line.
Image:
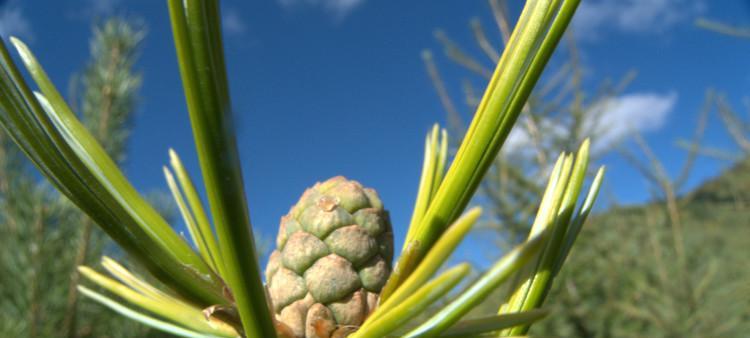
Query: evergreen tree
x=674, y=267
x=558, y=116
x=47, y=235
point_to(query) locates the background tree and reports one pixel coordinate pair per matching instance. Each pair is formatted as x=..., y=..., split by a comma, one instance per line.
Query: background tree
x=558, y=116
x=672, y=267
x=685, y=253
x=48, y=236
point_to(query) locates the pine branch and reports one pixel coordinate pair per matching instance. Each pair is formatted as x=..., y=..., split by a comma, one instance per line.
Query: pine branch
x=38, y=278
x=108, y=103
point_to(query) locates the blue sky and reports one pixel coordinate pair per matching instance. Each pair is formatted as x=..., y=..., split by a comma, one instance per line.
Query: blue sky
x=337, y=87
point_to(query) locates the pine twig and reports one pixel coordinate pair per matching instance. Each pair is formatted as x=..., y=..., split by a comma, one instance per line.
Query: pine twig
x=107, y=106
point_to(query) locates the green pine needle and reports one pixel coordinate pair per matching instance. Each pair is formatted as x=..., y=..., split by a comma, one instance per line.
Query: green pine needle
x=537, y=33
x=142, y=318
x=197, y=36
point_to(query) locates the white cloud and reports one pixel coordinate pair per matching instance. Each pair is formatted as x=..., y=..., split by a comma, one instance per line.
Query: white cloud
x=233, y=23
x=14, y=23
x=85, y=10
x=517, y=140
x=610, y=121
x=338, y=8
x=617, y=118
x=520, y=141
x=632, y=16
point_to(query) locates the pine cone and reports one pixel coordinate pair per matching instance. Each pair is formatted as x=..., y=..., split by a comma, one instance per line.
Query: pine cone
x=333, y=256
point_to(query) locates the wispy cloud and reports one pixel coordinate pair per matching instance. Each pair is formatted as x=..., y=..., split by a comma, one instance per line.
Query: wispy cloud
x=632, y=16
x=233, y=23
x=102, y=7
x=14, y=23
x=610, y=121
x=338, y=8
x=85, y=10
x=618, y=118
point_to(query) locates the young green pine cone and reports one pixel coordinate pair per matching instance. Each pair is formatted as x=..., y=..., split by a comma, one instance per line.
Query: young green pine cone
x=333, y=256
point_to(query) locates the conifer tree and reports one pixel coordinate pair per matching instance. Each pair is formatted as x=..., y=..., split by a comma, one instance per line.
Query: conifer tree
x=48, y=236
x=672, y=267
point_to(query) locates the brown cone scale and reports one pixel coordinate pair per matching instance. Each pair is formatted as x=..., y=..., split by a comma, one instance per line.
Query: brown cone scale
x=333, y=256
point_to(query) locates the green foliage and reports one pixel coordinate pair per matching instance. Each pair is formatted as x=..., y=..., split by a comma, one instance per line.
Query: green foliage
x=671, y=268
x=216, y=290
x=44, y=237
x=196, y=28
x=639, y=291
x=110, y=85
x=675, y=267
x=558, y=116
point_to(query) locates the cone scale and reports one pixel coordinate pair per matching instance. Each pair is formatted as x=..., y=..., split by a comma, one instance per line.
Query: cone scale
x=333, y=255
